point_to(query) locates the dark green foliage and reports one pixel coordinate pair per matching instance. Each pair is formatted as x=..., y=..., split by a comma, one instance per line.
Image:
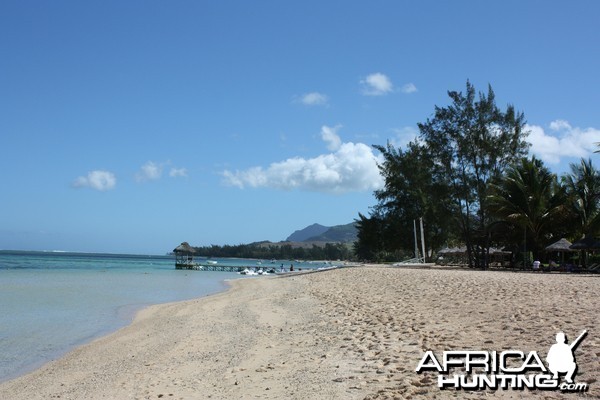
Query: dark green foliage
x=370, y=237
x=583, y=189
x=444, y=176
x=529, y=198
x=471, y=142
x=411, y=191
x=267, y=250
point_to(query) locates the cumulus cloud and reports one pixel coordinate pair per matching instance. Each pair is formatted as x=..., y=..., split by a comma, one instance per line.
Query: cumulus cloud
x=376, y=84
x=314, y=99
x=98, y=180
x=150, y=171
x=408, y=88
x=330, y=136
x=178, y=172
x=564, y=141
x=350, y=167
x=560, y=125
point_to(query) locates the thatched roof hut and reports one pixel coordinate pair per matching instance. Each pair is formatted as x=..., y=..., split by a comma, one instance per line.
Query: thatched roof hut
x=561, y=245
x=453, y=251
x=184, y=248
x=184, y=254
x=463, y=251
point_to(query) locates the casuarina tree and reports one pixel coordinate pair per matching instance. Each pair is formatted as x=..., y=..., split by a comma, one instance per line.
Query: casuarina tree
x=471, y=142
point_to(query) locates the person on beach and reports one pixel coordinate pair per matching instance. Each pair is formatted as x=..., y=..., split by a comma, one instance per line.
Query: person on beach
x=291, y=267
x=536, y=265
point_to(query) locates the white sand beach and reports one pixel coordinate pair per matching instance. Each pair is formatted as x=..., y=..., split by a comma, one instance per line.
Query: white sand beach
x=355, y=333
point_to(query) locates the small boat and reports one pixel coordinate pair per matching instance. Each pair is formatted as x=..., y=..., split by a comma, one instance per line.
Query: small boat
x=211, y=262
x=248, y=272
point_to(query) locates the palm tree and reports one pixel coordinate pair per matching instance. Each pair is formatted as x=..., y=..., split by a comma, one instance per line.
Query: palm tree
x=529, y=198
x=583, y=189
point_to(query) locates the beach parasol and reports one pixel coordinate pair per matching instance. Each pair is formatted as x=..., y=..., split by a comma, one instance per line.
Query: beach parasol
x=499, y=252
x=447, y=250
x=587, y=243
x=562, y=245
x=457, y=250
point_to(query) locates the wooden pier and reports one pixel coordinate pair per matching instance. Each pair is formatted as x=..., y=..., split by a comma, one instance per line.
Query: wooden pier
x=184, y=259
x=217, y=267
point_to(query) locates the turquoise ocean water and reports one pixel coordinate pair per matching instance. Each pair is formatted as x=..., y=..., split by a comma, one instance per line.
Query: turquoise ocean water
x=53, y=302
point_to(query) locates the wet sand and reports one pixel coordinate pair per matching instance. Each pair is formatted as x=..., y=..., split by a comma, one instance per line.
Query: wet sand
x=355, y=333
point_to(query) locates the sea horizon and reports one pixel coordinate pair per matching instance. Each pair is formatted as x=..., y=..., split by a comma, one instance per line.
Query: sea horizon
x=94, y=253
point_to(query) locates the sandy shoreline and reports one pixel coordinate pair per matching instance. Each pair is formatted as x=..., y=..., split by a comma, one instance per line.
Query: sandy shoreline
x=344, y=334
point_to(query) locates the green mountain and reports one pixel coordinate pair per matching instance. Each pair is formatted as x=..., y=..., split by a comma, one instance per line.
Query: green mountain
x=320, y=233
x=339, y=233
x=308, y=232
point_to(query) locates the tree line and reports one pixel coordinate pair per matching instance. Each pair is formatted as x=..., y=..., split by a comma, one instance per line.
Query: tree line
x=469, y=177
x=329, y=251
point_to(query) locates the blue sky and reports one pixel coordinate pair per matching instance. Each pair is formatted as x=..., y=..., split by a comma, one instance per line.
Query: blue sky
x=131, y=126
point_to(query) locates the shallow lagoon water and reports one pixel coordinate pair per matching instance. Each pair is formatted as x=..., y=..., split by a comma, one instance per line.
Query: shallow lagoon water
x=52, y=302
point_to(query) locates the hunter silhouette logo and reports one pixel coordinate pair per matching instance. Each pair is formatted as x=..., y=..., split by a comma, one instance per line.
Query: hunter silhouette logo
x=509, y=369
x=560, y=356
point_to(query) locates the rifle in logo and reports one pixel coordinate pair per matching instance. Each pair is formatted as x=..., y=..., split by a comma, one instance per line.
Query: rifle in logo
x=560, y=356
x=509, y=369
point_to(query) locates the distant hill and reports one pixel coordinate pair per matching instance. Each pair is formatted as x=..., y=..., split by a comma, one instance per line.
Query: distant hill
x=306, y=233
x=319, y=233
x=339, y=233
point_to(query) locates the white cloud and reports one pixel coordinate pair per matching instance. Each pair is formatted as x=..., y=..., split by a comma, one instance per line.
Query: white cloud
x=567, y=141
x=409, y=88
x=376, y=84
x=98, y=180
x=314, y=99
x=178, y=172
x=150, y=171
x=560, y=125
x=330, y=136
x=352, y=167
x=403, y=136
